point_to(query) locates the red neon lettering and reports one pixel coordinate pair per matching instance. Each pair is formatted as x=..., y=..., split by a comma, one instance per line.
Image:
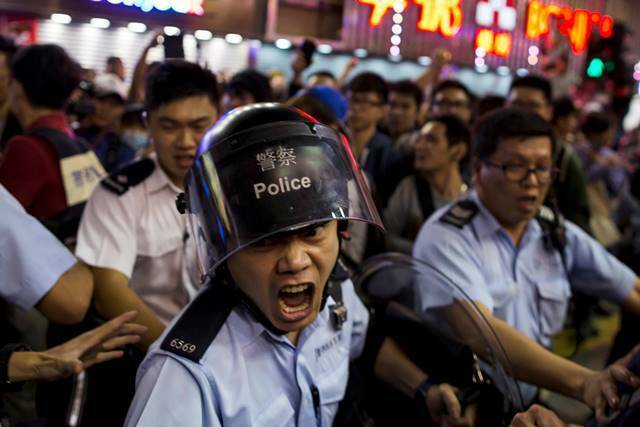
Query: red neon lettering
x=380, y=8
x=574, y=24
x=484, y=40
x=440, y=15
x=502, y=45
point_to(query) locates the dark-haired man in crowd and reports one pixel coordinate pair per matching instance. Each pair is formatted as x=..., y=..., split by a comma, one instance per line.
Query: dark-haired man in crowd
x=133, y=238
x=367, y=95
x=246, y=87
x=405, y=99
x=47, y=169
x=452, y=97
x=513, y=257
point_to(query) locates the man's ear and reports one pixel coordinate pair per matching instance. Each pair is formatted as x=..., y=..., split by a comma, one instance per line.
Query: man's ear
x=475, y=166
x=145, y=119
x=458, y=152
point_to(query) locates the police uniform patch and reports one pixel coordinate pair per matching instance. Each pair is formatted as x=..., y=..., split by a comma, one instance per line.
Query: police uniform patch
x=128, y=176
x=460, y=214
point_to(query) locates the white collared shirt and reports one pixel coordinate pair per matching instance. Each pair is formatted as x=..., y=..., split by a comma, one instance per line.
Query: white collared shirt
x=142, y=235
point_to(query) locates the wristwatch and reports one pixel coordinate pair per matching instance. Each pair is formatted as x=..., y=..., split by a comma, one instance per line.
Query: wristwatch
x=5, y=355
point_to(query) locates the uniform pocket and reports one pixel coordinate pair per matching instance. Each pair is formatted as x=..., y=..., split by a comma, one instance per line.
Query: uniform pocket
x=279, y=413
x=553, y=300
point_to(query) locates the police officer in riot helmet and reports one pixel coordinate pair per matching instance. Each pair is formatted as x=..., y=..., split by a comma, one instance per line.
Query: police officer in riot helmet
x=269, y=339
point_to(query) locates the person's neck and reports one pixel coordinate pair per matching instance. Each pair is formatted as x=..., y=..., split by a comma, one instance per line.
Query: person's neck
x=447, y=181
x=293, y=337
x=515, y=231
x=360, y=139
x=31, y=115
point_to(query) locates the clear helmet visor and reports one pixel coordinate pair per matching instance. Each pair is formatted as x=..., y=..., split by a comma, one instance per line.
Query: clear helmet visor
x=419, y=292
x=271, y=179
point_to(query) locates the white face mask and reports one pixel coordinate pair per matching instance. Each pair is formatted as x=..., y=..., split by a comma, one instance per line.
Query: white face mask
x=135, y=139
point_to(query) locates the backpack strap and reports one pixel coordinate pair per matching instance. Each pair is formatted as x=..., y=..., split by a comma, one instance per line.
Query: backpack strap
x=553, y=231
x=64, y=144
x=460, y=213
x=334, y=290
x=199, y=324
x=128, y=176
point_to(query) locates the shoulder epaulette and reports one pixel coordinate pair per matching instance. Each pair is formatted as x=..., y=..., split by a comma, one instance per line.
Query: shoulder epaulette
x=128, y=176
x=460, y=214
x=200, y=323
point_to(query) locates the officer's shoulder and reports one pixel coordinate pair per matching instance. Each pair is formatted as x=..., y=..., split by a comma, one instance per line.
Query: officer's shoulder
x=129, y=175
x=459, y=213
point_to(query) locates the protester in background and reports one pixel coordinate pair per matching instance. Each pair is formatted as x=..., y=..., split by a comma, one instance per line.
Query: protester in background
x=442, y=145
x=246, y=87
x=452, y=97
x=115, y=66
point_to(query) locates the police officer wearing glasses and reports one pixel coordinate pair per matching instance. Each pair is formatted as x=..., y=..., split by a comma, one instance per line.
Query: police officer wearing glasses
x=520, y=262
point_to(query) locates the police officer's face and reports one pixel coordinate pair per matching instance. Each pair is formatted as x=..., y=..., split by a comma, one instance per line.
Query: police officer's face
x=514, y=202
x=176, y=129
x=285, y=276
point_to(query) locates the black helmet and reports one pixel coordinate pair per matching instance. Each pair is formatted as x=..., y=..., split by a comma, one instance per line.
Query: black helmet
x=269, y=168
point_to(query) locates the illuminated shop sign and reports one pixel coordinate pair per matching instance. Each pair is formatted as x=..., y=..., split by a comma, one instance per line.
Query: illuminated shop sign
x=496, y=21
x=191, y=7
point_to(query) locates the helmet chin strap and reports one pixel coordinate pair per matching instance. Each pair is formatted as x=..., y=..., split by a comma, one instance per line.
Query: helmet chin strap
x=226, y=279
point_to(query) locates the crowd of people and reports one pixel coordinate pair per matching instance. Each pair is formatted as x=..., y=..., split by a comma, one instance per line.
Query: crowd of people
x=227, y=219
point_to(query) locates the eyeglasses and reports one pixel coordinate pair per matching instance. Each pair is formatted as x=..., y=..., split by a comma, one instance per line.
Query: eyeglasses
x=519, y=173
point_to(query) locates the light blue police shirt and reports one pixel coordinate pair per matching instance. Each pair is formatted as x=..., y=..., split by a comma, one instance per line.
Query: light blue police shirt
x=31, y=258
x=526, y=286
x=251, y=377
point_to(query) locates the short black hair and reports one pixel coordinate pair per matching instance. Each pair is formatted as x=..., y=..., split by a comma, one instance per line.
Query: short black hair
x=488, y=103
x=369, y=82
x=252, y=82
x=176, y=79
x=509, y=122
x=323, y=73
x=596, y=123
x=8, y=47
x=457, y=131
x=452, y=84
x=408, y=87
x=47, y=74
x=113, y=59
x=563, y=107
x=533, y=82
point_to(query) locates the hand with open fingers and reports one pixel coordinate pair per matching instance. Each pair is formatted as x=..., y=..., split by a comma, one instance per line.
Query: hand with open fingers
x=441, y=56
x=601, y=388
x=445, y=409
x=537, y=416
x=95, y=346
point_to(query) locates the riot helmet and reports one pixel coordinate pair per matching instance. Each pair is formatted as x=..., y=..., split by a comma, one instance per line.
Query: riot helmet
x=265, y=169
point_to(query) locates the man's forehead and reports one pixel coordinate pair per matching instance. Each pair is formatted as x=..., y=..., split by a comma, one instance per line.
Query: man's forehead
x=186, y=109
x=524, y=93
x=539, y=145
x=432, y=127
x=451, y=93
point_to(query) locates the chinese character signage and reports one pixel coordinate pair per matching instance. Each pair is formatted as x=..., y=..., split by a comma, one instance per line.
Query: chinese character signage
x=494, y=25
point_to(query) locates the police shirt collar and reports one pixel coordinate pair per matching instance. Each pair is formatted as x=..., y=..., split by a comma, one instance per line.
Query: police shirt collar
x=159, y=179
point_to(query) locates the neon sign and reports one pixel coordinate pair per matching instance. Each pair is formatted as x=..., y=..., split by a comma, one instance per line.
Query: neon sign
x=575, y=24
x=497, y=20
x=191, y=7
x=443, y=16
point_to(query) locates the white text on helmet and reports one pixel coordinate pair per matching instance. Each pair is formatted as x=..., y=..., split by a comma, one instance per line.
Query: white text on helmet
x=282, y=186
